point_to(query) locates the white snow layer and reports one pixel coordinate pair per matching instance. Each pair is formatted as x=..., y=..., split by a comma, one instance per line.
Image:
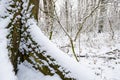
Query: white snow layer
x=6, y=69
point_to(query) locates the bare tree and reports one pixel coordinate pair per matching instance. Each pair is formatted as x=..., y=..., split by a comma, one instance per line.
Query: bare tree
x=101, y=16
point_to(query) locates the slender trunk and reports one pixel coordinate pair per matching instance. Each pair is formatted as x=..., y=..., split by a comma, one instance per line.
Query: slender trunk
x=66, y=14
x=101, y=17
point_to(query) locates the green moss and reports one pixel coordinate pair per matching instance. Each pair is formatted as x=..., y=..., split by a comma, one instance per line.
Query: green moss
x=35, y=8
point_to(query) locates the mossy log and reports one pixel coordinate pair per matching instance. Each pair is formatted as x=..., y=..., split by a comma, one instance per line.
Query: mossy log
x=15, y=34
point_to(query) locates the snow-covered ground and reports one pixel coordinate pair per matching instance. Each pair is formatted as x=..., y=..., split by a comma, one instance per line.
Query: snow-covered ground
x=6, y=69
x=27, y=73
x=99, y=52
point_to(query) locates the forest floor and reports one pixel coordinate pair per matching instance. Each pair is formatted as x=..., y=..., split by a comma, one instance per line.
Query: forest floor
x=99, y=52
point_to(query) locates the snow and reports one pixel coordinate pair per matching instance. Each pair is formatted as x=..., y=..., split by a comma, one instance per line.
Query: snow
x=6, y=69
x=28, y=73
x=94, y=47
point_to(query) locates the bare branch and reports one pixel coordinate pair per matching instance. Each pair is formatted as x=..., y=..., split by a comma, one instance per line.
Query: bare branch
x=84, y=20
x=111, y=28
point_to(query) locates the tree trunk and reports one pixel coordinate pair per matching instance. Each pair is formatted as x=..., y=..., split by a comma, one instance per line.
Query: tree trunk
x=66, y=15
x=49, y=9
x=101, y=16
x=15, y=35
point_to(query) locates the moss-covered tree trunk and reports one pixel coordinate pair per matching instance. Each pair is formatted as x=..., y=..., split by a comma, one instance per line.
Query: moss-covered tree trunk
x=15, y=33
x=21, y=45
